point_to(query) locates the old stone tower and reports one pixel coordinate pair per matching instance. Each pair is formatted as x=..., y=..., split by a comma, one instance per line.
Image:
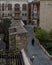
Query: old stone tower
x=17, y=36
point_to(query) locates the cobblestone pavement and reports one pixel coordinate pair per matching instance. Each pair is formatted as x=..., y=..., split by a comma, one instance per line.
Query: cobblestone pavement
x=40, y=58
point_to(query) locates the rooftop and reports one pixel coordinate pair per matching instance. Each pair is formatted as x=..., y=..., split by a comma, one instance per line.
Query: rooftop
x=17, y=28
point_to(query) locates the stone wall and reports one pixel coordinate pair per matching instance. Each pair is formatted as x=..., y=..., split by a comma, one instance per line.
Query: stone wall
x=21, y=40
x=17, y=41
x=12, y=42
x=46, y=14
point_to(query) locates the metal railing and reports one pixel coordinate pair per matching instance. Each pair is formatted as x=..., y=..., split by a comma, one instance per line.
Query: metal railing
x=12, y=59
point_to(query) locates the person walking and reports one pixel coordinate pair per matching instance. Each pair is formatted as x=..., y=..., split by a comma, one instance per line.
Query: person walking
x=33, y=41
x=32, y=59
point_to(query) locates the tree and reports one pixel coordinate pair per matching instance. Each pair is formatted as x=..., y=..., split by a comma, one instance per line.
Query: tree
x=6, y=24
x=50, y=35
x=41, y=34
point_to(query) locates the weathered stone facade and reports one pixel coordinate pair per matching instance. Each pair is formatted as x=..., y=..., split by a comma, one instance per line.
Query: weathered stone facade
x=17, y=37
x=21, y=40
x=46, y=14
x=12, y=42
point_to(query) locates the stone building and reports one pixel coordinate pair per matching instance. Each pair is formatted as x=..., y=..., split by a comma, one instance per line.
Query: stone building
x=33, y=12
x=16, y=8
x=46, y=14
x=27, y=12
x=17, y=36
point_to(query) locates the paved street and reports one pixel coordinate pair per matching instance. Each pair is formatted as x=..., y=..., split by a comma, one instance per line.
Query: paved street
x=40, y=58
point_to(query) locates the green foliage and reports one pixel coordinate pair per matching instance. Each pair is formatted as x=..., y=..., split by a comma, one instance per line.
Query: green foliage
x=45, y=38
x=13, y=62
x=41, y=34
x=50, y=35
x=50, y=52
x=17, y=51
x=2, y=52
x=48, y=44
x=6, y=23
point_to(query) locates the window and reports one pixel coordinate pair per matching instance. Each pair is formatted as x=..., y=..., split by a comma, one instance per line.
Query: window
x=9, y=14
x=17, y=7
x=3, y=7
x=32, y=14
x=25, y=14
x=9, y=6
x=24, y=7
x=34, y=22
x=2, y=14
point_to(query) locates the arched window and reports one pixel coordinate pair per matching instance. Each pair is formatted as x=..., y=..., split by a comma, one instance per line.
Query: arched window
x=17, y=7
x=9, y=6
x=3, y=7
x=24, y=7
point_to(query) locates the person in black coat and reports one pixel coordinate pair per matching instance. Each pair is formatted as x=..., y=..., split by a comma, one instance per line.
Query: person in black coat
x=33, y=41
